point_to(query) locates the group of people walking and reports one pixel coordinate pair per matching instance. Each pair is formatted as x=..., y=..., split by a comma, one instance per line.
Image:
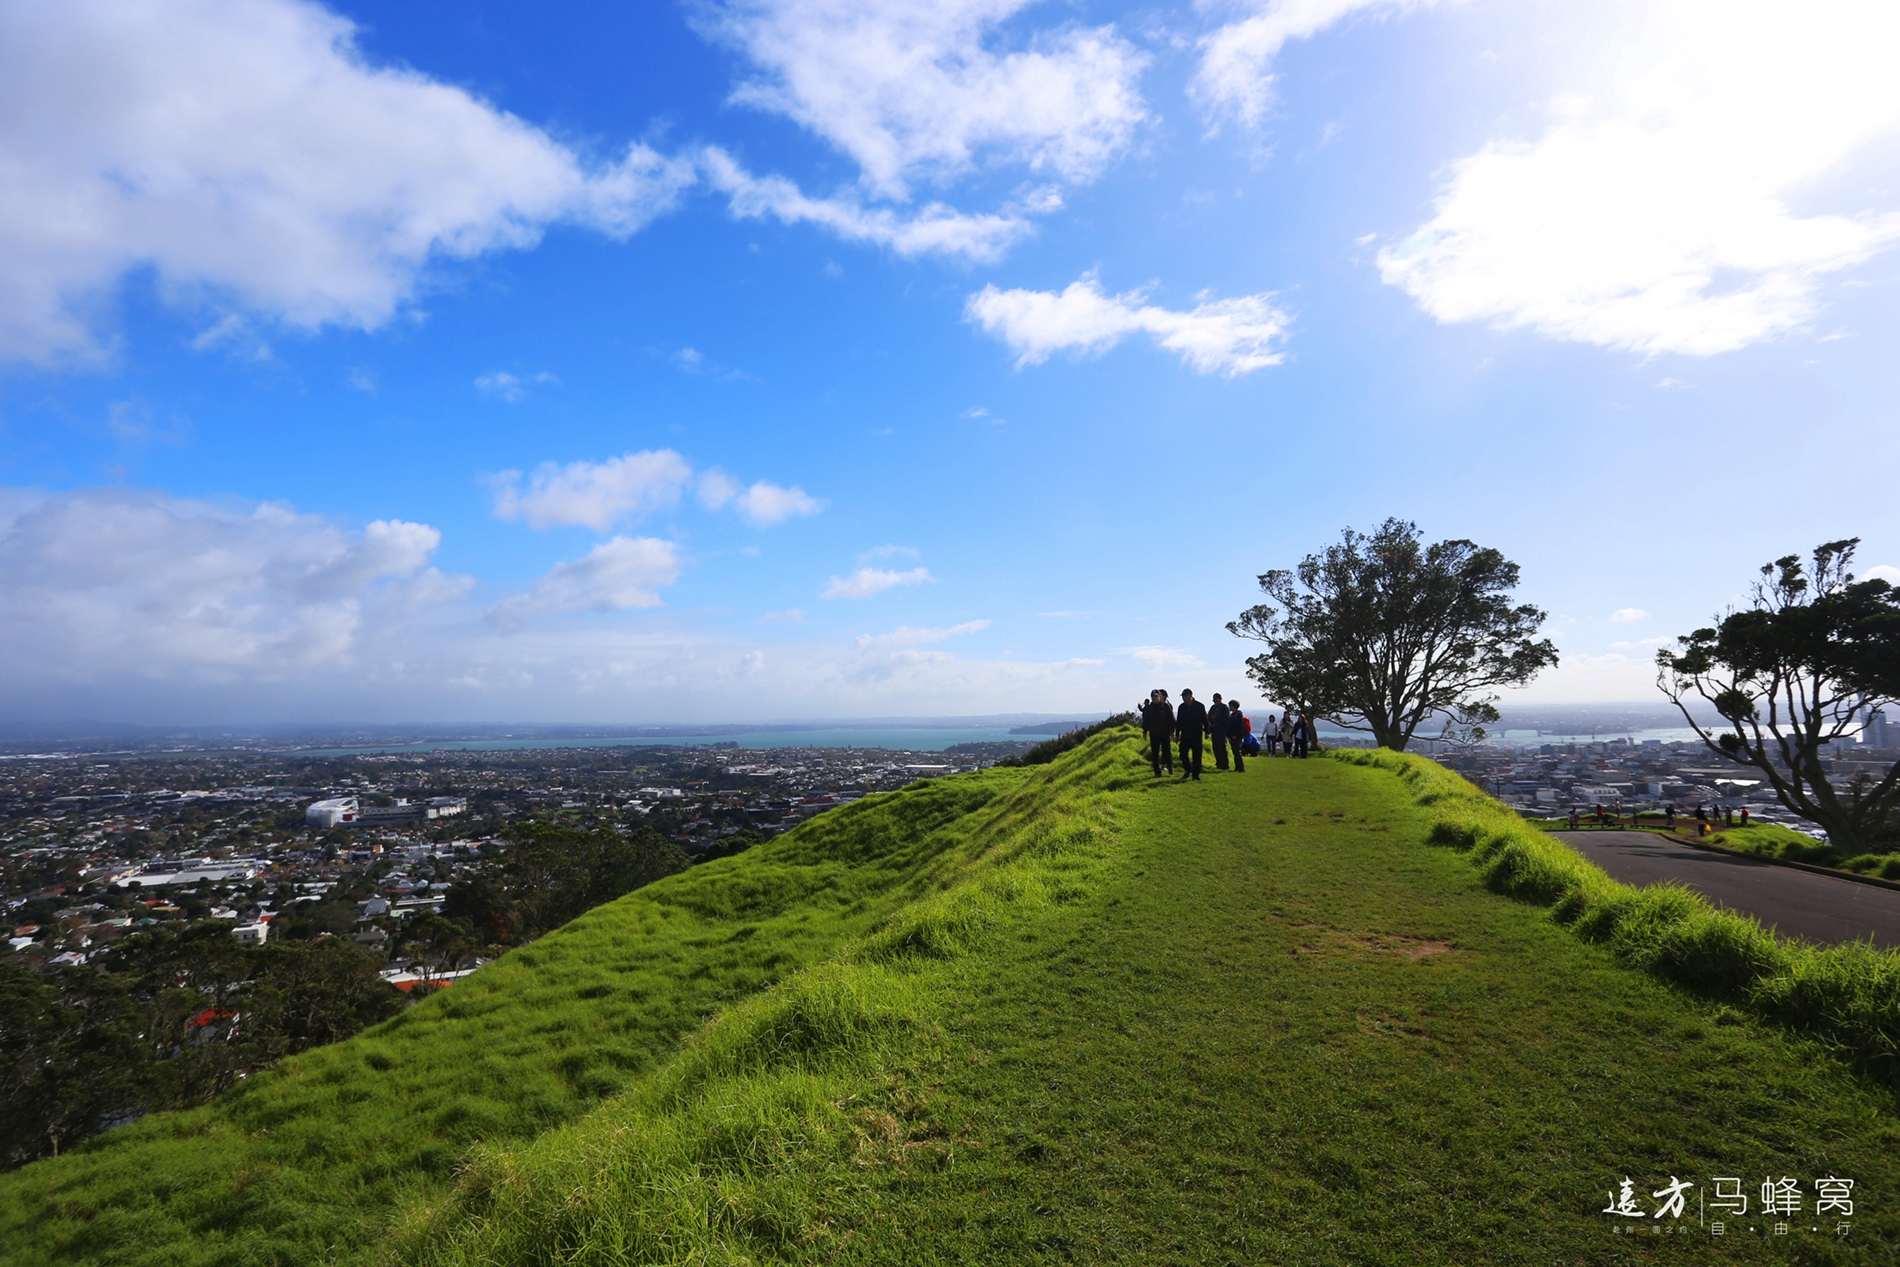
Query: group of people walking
x=1224, y=725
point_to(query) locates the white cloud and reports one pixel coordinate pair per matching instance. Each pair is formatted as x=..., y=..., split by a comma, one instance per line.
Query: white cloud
x=1158, y=658
x=1691, y=194
x=107, y=582
x=137, y=606
x=763, y=504
x=888, y=552
x=933, y=229
x=767, y=504
x=511, y=387
x=599, y=495
x=909, y=636
x=1882, y=572
x=915, y=88
x=595, y=495
x=1230, y=336
x=246, y=152
x=1624, y=615
x=1235, y=78
x=717, y=489
x=865, y=582
x=615, y=575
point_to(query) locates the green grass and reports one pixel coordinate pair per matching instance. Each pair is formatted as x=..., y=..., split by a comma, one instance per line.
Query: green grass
x=1058, y=1013
x=1255, y=1020
x=1758, y=840
x=1848, y=996
x=313, y=1159
x=1772, y=840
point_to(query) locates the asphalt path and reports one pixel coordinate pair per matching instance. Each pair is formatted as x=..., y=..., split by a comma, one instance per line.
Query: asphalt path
x=1798, y=903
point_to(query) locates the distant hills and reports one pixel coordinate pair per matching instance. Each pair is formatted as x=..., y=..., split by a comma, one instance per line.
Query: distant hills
x=1054, y=727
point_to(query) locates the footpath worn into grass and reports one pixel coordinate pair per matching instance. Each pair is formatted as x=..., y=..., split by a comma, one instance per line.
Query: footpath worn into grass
x=1269, y=1023
x=1074, y=1014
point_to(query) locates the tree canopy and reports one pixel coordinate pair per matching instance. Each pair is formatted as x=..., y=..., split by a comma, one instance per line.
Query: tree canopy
x=1383, y=633
x=1794, y=672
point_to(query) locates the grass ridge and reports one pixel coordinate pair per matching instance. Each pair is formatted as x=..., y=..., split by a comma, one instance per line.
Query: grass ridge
x=309, y=1162
x=745, y=1146
x=1848, y=996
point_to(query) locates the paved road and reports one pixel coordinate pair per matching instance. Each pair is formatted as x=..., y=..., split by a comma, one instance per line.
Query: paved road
x=1817, y=907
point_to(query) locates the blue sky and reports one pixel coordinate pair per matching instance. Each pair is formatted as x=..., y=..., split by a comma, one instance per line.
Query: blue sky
x=763, y=361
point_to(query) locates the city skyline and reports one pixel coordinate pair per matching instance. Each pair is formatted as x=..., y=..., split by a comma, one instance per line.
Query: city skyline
x=779, y=361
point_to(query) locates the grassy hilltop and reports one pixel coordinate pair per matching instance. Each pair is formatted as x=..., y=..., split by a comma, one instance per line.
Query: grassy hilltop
x=1058, y=1012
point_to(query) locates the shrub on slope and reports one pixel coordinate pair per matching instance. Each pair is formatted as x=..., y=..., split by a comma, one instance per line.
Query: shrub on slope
x=1847, y=995
x=1049, y=749
x=311, y=1161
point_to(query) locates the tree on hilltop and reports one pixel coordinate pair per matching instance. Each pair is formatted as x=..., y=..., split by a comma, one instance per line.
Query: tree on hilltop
x=1382, y=634
x=1797, y=670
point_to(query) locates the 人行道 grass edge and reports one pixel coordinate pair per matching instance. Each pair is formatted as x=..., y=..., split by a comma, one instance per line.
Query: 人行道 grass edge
x=1847, y=996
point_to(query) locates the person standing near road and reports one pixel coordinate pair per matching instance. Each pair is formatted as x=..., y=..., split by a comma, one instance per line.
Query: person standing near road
x=1238, y=729
x=1158, y=718
x=1217, y=731
x=1190, y=722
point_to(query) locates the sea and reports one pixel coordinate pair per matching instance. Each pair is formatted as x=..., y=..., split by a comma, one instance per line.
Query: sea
x=898, y=740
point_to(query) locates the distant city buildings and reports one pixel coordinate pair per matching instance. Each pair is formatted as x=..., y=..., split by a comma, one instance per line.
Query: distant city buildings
x=347, y=811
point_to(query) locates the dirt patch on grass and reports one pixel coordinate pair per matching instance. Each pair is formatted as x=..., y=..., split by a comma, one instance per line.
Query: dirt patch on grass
x=1410, y=947
x=1316, y=939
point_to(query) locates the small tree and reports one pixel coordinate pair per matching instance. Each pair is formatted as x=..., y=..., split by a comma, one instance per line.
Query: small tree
x=1794, y=672
x=1382, y=634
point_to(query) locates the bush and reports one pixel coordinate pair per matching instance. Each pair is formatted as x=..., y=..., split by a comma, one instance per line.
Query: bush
x=1849, y=996
x=1049, y=749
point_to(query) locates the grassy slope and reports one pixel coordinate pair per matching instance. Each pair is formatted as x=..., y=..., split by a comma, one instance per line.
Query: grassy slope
x=1254, y=1020
x=313, y=1160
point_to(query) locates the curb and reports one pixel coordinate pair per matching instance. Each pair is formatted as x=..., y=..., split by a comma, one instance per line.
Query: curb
x=1855, y=876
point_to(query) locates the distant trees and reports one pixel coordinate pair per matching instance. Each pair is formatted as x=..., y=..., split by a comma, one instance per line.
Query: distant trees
x=1795, y=671
x=182, y=1015
x=72, y=1060
x=1382, y=634
x=183, y=1012
x=552, y=874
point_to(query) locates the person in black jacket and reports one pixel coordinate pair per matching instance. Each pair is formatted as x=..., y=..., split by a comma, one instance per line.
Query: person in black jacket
x=1236, y=734
x=1217, y=731
x=1157, y=718
x=1190, y=722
